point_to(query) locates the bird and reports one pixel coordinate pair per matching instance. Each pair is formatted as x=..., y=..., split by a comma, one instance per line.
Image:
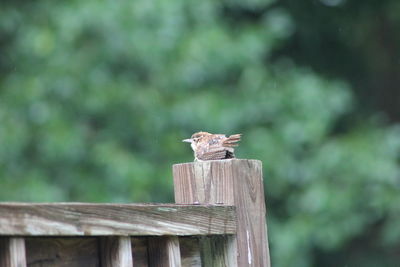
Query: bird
x=207, y=146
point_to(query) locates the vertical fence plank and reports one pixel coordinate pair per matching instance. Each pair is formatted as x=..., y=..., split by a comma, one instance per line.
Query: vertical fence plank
x=139, y=251
x=116, y=251
x=62, y=251
x=218, y=251
x=12, y=252
x=164, y=252
x=236, y=182
x=190, y=251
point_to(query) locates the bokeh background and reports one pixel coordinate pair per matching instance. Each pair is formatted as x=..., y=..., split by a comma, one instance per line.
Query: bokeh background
x=96, y=96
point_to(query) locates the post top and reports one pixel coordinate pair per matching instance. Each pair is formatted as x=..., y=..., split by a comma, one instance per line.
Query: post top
x=221, y=161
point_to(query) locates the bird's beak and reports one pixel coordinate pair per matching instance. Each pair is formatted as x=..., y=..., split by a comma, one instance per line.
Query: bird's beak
x=187, y=140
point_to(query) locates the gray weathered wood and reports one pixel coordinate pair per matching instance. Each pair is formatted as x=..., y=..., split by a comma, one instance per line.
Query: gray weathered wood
x=232, y=182
x=80, y=219
x=164, y=252
x=190, y=251
x=12, y=252
x=116, y=251
x=140, y=252
x=62, y=252
x=218, y=251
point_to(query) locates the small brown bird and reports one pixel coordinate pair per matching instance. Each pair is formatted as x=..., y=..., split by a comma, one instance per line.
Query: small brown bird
x=208, y=146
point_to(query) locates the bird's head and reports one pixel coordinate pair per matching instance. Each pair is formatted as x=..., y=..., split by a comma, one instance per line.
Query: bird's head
x=196, y=137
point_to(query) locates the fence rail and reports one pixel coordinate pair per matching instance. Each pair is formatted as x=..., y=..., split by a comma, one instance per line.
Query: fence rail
x=219, y=220
x=84, y=219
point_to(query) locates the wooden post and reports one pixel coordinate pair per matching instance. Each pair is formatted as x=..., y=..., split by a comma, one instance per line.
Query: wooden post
x=12, y=252
x=236, y=182
x=116, y=251
x=218, y=251
x=164, y=251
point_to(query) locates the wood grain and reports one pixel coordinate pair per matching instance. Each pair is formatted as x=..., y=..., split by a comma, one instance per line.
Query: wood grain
x=139, y=251
x=80, y=219
x=236, y=182
x=116, y=251
x=218, y=251
x=190, y=251
x=12, y=252
x=62, y=252
x=164, y=252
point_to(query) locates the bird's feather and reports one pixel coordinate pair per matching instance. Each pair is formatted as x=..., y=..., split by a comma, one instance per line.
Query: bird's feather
x=232, y=140
x=212, y=155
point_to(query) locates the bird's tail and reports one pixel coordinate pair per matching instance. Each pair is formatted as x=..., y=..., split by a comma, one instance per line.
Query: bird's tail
x=232, y=140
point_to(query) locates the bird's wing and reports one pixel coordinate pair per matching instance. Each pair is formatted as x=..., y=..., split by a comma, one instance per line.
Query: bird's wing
x=213, y=150
x=232, y=140
x=212, y=154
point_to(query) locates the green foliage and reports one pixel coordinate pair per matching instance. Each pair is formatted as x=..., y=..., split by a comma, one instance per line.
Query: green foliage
x=96, y=96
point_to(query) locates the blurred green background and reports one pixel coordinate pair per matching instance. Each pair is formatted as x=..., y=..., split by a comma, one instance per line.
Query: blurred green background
x=96, y=96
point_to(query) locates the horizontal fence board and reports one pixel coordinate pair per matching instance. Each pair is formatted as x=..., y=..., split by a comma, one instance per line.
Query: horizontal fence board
x=87, y=219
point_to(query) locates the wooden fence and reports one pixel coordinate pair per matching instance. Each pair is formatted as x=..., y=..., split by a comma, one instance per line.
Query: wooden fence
x=218, y=220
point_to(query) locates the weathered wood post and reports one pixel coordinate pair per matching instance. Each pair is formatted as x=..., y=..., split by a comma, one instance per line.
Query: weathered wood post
x=12, y=252
x=116, y=251
x=236, y=182
x=164, y=252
